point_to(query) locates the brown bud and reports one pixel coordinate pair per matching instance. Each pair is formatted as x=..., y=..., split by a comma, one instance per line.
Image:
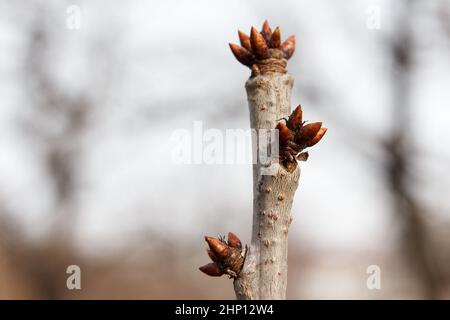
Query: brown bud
x=284, y=133
x=242, y=55
x=211, y=269
x=303, y=156
x=309, y=131
x=234, y=241
x=212, y=256
x=266, y=31
x=288, y=47
x=219, y=248
x=317, y=138
x=245, y=40
x=295, y=120
x=275, y=39
x=259, y=45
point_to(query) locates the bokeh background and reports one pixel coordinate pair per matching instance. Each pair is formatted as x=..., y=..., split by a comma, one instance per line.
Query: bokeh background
x=86, y=118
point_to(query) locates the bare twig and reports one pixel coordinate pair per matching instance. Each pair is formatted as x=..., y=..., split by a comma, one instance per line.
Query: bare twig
x=264, y=274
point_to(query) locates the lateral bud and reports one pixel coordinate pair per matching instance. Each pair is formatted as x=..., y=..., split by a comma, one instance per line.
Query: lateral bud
x=211, y=269
x=219, y=248
x=227, y=256
x=317, y=138
x=234, y=241
x=295, y=119
x=309, y=131
x=295, y=136
x=284, y=133
x=212, y=256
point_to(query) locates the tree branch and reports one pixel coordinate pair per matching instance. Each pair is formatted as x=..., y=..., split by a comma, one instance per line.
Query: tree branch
x=264, y=271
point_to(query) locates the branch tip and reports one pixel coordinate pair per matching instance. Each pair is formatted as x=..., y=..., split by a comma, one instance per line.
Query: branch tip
x=242, y=54
x=288, y=47
x=259, y=45
x=264, y=49
x=275, y=39
x=266, y=31
x=244, y=40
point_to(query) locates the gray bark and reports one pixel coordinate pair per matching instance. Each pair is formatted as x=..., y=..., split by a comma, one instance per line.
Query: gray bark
x=264, y=274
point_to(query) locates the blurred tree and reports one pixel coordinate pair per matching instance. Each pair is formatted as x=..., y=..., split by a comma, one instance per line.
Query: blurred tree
x=57, y=118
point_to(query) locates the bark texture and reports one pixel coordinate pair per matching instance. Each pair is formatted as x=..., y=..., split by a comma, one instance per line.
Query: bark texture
x=264, y=275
